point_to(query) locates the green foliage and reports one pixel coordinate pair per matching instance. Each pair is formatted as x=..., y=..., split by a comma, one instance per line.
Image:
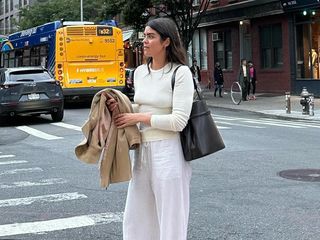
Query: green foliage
x=186, y=16
x=136, y=13
x=52, y=10
x=112, y=7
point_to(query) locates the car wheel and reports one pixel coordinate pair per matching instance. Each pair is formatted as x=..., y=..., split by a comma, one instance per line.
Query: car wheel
x=57, y=116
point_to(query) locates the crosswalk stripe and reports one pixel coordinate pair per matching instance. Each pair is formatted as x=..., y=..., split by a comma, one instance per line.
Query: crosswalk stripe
x=7, y=156
x=227, y=118
x=240, y=125
x=66, y=125
x=222, y=127
x=44, y=182
x=37, y=133
x=268, y=121
x=21, y=170
x=59, y=224
x=291, y=123
x=271, y=124
x=12, y=162
x=45, y=198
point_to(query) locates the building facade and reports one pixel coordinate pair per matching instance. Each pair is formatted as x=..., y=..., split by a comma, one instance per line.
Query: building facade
x=282, y=43
x=9, y=14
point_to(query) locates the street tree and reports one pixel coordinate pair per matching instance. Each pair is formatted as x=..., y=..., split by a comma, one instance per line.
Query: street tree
x=51, y=10
x=184, y=13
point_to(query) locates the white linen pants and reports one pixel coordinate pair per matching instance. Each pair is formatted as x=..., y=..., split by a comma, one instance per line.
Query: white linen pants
x=157, y=206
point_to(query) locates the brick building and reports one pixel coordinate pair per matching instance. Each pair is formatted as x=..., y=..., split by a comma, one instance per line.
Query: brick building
x=280, y=37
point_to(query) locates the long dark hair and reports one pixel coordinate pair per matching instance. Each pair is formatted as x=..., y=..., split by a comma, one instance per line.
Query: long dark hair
x=175, y=52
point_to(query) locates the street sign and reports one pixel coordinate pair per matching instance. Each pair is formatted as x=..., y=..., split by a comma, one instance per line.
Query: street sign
x=299, y=4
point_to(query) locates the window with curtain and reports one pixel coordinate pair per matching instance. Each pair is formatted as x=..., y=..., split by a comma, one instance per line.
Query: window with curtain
x=198, y=49
x=223, y=49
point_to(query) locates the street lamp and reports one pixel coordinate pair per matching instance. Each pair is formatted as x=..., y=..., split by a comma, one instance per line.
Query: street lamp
x=81, y=10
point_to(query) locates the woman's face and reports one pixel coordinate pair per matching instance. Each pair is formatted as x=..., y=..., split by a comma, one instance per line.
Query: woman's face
x=153, y=46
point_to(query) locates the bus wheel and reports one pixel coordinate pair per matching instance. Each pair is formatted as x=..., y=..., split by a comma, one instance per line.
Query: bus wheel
x=57, y=116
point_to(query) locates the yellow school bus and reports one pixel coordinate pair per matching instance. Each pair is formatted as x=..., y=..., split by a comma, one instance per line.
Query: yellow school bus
x=85, y=58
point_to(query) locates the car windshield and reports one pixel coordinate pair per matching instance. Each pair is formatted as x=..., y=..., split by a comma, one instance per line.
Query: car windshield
x=29, y=76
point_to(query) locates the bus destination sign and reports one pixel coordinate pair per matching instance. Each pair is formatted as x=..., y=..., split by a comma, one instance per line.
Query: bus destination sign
x=298, y=4
x=104, y=31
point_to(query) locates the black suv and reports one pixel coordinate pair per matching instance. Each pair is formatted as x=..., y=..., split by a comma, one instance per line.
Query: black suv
x=129, y=88
x=30, y=91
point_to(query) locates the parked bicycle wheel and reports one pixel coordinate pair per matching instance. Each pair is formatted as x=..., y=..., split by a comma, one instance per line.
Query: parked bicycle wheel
x=236, y=93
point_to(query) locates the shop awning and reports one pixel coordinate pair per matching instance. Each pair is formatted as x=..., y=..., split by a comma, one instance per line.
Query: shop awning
x=126, y=35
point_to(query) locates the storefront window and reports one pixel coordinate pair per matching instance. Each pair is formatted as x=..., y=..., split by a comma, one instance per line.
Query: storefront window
x=271, y=46
x=308, y=46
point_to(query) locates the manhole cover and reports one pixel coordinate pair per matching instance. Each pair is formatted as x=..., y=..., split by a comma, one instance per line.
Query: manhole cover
x=308, y=175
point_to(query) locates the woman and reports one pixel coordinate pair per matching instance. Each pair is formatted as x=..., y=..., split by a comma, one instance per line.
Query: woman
x=157, y=204
x=252, y=80
x=218, y=79
x=195, y=70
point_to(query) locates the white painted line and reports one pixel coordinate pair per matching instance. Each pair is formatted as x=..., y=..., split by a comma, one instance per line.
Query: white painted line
x=240, y=125
x=291, y=123
x=59, y=224
x=66, y=125
x=45, y=182
x=41, y=199
x=21, y=170
x=221, y=127
x=12, y=162
x=226, y=118
x=37, y=133
x=7, y=156
x=272, y=124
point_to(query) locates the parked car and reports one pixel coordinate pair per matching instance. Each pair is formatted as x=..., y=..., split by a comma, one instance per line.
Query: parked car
x=129, y=87
x=30, y=91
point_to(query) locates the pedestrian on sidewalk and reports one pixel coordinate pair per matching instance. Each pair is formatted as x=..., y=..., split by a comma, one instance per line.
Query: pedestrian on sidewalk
x=218, y=79
x=195, y=69
x=157, y=205
x=244, y=79
x=252, y=80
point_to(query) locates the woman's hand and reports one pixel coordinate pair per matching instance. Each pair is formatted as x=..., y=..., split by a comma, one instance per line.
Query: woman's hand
x=128, y=119
x=112, y=104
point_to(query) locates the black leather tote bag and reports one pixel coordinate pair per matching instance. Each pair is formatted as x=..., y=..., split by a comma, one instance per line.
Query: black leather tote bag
x=201, y=136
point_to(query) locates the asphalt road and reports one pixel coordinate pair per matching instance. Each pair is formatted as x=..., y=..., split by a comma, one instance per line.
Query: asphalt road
x=46, y=193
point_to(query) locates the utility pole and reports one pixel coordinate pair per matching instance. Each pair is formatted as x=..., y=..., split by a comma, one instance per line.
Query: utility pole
x=81, y=10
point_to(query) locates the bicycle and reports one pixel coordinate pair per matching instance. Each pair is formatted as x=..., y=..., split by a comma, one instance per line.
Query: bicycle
x=236, y=93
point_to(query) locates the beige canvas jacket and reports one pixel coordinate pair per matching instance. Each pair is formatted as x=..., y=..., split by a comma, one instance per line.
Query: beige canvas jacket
x=104, y=143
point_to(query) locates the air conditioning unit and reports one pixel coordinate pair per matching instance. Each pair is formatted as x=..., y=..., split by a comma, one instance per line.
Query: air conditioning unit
x=216, y=36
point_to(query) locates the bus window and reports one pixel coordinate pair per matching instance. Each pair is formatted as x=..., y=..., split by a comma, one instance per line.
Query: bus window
x=26, y=57
x=18, y=62
x=6, y=60
x=11, y=58
x=35, y=56
x=43, y=55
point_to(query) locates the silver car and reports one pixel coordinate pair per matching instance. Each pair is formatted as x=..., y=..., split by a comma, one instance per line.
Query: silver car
x=30, y=91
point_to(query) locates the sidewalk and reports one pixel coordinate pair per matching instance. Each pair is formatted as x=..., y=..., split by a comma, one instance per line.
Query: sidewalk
x=267, y=104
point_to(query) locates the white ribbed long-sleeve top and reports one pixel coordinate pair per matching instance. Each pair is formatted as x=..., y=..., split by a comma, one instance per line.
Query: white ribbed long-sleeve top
x=170, y=109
